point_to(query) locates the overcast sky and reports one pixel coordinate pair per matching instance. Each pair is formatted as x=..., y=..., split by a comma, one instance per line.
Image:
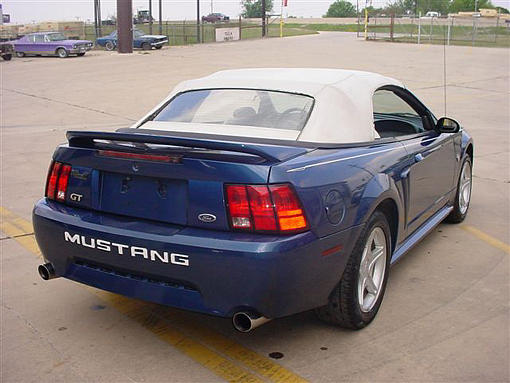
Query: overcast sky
x=26, y=11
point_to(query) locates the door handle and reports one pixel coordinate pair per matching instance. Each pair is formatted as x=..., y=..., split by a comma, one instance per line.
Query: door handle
x=418, y=157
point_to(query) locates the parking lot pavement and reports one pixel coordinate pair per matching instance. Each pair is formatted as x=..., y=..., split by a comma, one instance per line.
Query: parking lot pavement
x=445, y=315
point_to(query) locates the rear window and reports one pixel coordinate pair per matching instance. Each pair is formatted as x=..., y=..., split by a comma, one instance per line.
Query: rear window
x=257, y=108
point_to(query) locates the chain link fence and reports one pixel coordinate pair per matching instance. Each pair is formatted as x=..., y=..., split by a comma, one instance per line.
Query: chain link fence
x=475, y=31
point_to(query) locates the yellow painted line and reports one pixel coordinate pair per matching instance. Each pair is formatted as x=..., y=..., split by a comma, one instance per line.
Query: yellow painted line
x=18, y=228
x=141, y=313
x=23, y=225
x=137, y=311
x=494, y=242
x=261, y=365
x=256, y=362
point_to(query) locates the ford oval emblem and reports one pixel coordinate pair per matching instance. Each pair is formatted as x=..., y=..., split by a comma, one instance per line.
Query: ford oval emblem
x=207, y=218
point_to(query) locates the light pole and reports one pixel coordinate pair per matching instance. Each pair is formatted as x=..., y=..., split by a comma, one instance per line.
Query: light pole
x=263, y=18
x=150, y=17
x=160, y=18
x=198, y=21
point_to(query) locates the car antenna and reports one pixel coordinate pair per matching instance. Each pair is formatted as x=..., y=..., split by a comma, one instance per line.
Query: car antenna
x=444, y=70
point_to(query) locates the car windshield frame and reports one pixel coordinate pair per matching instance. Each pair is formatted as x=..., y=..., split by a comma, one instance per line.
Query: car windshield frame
x=302, y=125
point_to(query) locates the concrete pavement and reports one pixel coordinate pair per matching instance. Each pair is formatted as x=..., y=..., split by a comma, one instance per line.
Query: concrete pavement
x=445, y=313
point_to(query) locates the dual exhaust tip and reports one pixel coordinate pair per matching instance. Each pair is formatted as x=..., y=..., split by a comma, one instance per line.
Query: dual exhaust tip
x=243, y=321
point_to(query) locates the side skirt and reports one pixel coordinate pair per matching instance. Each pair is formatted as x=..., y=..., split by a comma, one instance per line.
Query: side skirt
x=419, y=234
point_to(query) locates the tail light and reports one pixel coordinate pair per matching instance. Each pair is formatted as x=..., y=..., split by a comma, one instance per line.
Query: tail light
x=56, y=184
x=265, y=208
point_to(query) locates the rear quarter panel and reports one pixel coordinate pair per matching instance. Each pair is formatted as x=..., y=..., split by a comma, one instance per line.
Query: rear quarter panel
x=340, y=188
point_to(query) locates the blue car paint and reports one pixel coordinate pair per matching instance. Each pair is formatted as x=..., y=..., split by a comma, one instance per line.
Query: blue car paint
x=137, y=40
x=273, y=275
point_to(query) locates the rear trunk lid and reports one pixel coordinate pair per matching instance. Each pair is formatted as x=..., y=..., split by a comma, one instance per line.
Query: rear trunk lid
x=164, y=176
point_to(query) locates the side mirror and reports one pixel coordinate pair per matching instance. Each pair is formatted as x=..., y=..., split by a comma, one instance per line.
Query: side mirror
x=447, y=125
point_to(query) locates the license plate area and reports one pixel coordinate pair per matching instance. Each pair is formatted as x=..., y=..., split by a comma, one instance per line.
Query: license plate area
x=158, y=199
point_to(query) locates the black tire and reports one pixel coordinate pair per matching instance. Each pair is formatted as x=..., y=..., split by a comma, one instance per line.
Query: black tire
x=159, y=46
x=80, y=54
x=344, y=309
x=62, y=53
x=146, y=47
x=20, y=54
x=460, y=209
x=7, y=57
x=109, y=46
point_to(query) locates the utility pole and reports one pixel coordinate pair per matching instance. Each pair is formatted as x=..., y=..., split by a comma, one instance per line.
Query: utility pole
x=125, y=26
x=99, y=17
x=476, y=6
x=211, y=6
x=263, y=18
x=160, y=18
x=95, y=19
x=150, y=17
x=415, y=7
x=198, y=21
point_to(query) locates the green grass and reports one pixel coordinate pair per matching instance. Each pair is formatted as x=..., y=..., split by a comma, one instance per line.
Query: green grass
x=459, y=35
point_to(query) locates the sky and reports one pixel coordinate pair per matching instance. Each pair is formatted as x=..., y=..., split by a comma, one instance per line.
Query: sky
x=26, y=11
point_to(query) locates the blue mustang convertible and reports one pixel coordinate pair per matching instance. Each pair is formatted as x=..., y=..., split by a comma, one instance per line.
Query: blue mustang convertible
x=140, y=40
x=256, y=194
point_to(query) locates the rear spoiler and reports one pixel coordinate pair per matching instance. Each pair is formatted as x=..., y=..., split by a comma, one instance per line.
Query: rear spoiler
x=270, y=153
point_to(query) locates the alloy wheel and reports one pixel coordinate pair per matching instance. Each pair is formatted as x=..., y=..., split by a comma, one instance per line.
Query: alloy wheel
x=372, y=269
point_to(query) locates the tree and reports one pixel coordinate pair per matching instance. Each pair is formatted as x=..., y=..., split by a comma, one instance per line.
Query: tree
x=253, y=8
x=341, y=8
x=402, y=7
x=468, y=5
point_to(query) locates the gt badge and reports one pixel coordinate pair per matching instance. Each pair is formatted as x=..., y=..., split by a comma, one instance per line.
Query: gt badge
x=76, y=197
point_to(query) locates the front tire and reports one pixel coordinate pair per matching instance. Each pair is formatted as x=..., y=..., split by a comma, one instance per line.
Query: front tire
x=109, y=46
x=62, y=53
x=463, y=195
x=20, y=54
x=159, y=46
x=7, y=57
x=355, y=301
x=81, y=54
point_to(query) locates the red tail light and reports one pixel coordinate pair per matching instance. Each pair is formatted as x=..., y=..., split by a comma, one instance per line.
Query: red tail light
x=56, y=185
x=262, y=208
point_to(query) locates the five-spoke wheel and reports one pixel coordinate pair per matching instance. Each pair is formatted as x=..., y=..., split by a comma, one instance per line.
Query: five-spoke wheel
x=372, y=269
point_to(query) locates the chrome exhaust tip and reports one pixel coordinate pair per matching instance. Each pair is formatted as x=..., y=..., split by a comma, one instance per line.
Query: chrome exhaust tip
x=46, y=271
x=244, y=321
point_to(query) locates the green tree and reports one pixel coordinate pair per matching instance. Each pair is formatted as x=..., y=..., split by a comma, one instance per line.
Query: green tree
x=468, y=5
x=341, y=8
x=253, y=8
x=401, y=7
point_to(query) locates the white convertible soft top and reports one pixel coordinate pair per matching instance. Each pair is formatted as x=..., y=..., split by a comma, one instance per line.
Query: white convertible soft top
x=342, y=112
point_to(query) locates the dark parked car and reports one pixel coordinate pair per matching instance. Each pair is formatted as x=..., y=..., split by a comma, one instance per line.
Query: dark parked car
x=6, y=51
x=214, y=18
x=52, y=44
x=140, y=40
x=256, y=194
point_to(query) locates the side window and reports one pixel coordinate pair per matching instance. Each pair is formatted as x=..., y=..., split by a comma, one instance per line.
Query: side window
x=39, y=39
x=394, y=117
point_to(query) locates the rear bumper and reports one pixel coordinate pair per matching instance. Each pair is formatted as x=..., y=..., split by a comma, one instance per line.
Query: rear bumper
x=225, y=272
